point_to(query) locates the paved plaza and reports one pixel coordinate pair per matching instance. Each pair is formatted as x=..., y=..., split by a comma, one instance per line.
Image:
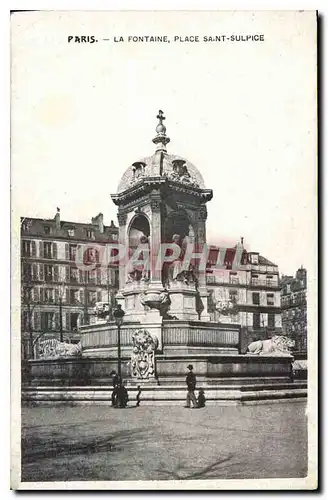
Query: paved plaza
x=160, y=442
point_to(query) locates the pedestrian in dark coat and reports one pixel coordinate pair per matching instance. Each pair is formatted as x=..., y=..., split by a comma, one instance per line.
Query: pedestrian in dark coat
x=116, y=384
x=191, y=386
x=201, y=399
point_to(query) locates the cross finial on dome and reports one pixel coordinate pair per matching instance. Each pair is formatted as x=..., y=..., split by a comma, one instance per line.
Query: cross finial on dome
x=161, y=139
x=161, y=116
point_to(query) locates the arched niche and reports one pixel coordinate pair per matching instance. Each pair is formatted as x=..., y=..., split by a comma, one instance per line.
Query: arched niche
x=179, y=223
x=139, y=227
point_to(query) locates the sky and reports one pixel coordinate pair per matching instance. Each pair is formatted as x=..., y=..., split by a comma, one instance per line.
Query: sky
x=244, y=113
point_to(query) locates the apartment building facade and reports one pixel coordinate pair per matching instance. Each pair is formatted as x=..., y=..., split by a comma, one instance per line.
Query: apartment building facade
x=58, y=294
x=294, y=308
x=252, y=289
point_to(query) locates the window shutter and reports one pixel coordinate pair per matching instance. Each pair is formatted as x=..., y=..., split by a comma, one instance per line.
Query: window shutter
x=66, y=251
x=35, y=271
x=98, y=296
x=41, y=272
x=41, y=249
x=55, y=325
x=81, y=296
x=33, y=249
x=55, y=251
x=67, y=274
x=67, y=295
x=86, y=277
x=36, y=294
x=81, y=276
x=68, y=324
x=56, y=295
x=55, y=273
x=99, y=276
x=36, y=321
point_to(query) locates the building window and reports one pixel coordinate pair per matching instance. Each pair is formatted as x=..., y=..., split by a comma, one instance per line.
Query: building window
x=256, y=320
x=74, y=274
x=49, y=295
x=48, y=321
x=233, y=278
x=270, y=299
x=254, y=259
x=90, y=234
x=255, y=280
x=92, y=297
x=48, y=272
x=27, y=248
x=26, y=224
x=47, y=230
x=72, y=252
x=25, y=320
x=256, y=298
x=73, y=296
x=47, y=250
x=271, y=320
x=233, y=294
x=91, y=276
x=270, y=282
x=71, y=231
x=27, y=272
x=74, y=321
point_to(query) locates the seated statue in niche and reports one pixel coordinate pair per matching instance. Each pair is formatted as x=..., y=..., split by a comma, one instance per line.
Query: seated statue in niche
x=176, y=271
x=136, y=271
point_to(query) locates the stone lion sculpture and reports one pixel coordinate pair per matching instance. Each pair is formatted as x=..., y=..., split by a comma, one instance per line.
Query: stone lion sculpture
x=277, y=345
x=54, y=349
x=143, y=354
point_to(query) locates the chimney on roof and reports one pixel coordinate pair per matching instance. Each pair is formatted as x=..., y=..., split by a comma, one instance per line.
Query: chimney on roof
x=57, y=218
x=99, y=221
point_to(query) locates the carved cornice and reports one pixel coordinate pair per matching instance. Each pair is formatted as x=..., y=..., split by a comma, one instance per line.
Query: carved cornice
x=161, y=185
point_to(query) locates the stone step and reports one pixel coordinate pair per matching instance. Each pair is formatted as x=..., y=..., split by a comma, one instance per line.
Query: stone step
x=164, y=395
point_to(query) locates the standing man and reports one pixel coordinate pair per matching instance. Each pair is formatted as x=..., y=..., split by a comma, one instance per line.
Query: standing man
x=114, y=375
x=191, y=386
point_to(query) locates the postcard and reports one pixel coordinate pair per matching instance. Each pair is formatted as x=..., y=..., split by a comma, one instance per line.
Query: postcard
x=164, y=250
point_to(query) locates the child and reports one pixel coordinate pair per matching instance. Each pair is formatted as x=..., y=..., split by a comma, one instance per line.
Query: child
x=201, y=399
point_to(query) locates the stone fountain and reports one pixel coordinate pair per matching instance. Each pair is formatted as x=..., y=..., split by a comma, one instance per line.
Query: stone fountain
x=162, y=211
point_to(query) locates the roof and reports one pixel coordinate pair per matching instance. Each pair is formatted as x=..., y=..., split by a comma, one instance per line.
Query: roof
x=160, y=165
x=263, y=261
x=37, y=227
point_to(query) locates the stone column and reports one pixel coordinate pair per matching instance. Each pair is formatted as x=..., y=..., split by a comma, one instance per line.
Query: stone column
x=200, y=240
x=122, y=218
x=155, y=241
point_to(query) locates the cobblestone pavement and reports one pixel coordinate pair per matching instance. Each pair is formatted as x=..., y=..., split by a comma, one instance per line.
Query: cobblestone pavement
x=79, y=443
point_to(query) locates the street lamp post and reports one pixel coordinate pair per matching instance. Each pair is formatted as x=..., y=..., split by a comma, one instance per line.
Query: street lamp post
x=118, y=317
x=61, y=291
x=61, y=319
